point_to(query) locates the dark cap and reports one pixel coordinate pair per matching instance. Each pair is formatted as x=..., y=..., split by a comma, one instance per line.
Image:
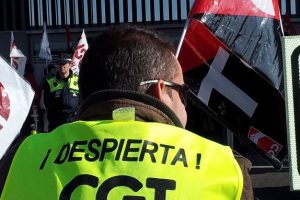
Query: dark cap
x=64, y=58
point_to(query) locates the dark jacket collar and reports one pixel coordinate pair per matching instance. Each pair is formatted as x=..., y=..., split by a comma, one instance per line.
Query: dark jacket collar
x=71, y=74
x=99, y=106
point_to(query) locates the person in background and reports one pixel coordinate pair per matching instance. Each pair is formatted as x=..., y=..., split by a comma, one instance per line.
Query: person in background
x=130, y=142
x=61, y=94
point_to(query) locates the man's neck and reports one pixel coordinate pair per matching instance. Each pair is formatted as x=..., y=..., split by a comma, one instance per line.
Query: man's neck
x=100, y=105
x=65, y=75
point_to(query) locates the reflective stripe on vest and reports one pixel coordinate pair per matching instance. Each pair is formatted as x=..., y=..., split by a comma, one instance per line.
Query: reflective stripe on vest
x=55, y=84
x=114, y=159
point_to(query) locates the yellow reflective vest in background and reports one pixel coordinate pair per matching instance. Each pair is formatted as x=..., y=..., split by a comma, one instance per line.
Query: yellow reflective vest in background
x=55, y=84
x=122, y=159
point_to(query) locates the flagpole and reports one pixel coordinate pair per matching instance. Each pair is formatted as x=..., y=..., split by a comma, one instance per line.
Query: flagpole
x=281, y=25
x=12, y=38
x=182, y=37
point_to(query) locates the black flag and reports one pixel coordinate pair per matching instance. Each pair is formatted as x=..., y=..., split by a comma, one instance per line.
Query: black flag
x=242, y=89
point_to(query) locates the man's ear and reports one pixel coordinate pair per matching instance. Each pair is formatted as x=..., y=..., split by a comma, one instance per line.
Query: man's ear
x=157, y=90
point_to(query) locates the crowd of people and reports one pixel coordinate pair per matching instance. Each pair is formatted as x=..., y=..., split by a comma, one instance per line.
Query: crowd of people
x=121, y=123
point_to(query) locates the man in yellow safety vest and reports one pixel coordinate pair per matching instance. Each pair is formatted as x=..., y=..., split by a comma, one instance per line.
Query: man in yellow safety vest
x=129, y=142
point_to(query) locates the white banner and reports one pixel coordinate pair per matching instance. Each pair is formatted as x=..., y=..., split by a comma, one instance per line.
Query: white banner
x=16, y=96
x=19, y=64
x=45, y=51
x=17, y=58
x=81, y=48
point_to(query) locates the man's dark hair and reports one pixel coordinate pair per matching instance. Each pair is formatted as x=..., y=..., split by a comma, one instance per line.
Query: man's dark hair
x=122, y=57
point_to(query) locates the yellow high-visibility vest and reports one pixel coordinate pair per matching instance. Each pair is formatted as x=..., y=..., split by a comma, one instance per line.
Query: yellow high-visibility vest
x=55, y=84
x=116, y=159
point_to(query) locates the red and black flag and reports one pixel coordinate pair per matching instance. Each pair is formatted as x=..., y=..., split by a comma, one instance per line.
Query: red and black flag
x=231, y=50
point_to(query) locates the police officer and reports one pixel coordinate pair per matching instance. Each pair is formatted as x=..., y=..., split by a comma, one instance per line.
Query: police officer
x=61, y=94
